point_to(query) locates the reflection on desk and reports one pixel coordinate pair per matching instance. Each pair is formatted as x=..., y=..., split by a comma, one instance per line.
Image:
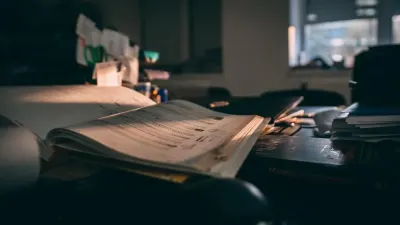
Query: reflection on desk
x=313, y=181
x=311, y=110
x=323, y=160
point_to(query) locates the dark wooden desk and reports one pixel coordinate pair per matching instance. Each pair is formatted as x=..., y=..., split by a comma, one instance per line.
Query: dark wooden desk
x=136, y=198
x=310, y=190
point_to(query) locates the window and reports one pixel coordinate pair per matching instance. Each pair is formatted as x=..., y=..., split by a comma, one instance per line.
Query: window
x=363, y=3
x=396, y=29
x=340, y=39
x=366, y=12
x=337, y=30
x=311, y=17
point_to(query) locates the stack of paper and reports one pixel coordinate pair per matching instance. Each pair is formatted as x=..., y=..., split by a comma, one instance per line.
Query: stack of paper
x=371, y=124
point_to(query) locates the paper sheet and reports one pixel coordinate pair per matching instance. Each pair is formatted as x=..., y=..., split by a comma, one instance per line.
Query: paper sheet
x=107, y=74
x=19, y=157
x=43, y=108
x=131, y=73
x=168, y=133
x=227, y=160
x=84, y=26
x=115, y=43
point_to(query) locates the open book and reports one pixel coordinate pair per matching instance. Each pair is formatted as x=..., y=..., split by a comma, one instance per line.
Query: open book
x=120, y=127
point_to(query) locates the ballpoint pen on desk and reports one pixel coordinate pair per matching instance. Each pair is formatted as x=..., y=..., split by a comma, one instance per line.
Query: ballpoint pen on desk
x=290, y=124
x=290, y=116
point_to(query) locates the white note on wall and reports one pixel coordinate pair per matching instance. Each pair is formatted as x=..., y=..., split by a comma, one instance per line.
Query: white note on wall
x=132, y=52
x=95, y=37
x=124, y=43
x=84, y=26
x=115, y=43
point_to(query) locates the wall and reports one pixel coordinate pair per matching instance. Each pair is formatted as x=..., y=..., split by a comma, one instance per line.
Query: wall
x=386, y=10
x=166, y=29
x=123, y=14
x=255, y=45
x=255, y=53
x=328, y=10
x=206, y=25
x=297, y=19
x=255, y=48
x=165, y=25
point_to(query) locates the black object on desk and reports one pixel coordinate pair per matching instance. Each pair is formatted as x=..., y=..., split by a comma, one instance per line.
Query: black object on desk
x=311, y=180
x=267, y=107
x=375, y=76
x=318, y=159
x=298, y=154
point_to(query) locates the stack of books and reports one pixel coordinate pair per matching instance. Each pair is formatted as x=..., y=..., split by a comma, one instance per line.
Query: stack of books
x=372, y=124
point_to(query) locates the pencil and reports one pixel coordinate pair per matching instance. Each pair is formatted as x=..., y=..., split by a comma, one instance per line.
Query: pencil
x=297, y=113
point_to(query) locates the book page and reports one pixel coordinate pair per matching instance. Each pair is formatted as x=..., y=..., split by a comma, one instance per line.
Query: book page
x=43, y=108
x=172, y=132
x=227, y=160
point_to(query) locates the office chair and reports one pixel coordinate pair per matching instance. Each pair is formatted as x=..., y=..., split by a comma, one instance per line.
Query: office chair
x=218, y=93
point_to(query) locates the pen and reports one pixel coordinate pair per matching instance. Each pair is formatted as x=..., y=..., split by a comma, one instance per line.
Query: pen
x=298, y=113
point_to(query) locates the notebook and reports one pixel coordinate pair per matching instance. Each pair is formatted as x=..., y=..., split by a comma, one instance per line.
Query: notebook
x=121, y=128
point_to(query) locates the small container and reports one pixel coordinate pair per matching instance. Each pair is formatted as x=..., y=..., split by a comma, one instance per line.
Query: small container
x=163, y=93
x=154, y=94
x=144, y=88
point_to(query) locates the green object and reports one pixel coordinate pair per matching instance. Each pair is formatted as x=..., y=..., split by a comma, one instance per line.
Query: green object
x=151, y=55
x=97, y=54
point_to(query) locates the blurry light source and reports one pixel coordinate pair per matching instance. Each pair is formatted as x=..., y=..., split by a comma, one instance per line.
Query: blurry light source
x=370, y=12
x=364, y=41
x=292, y=45
x=366, y=2
x=396, y=18
x=337, y=58
x=311, y=17
x=396, y=29
x=366, y=12
x=337, y=42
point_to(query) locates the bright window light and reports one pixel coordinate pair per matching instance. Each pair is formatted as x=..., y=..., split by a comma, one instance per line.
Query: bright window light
x=366, y=2
x=337, y=42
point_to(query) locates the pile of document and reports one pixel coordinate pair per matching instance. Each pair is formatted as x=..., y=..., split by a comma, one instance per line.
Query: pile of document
x=372, y=124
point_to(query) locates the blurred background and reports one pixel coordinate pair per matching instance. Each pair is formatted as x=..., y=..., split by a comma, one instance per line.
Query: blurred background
x=247, y=47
